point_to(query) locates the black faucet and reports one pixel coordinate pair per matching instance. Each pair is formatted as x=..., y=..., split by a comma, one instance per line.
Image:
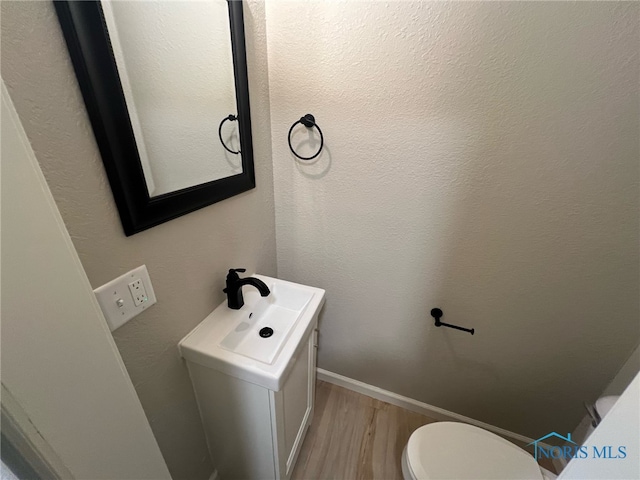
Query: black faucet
x=235, y=300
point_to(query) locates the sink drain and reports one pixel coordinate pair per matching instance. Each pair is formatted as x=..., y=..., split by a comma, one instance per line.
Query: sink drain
x=266, y=332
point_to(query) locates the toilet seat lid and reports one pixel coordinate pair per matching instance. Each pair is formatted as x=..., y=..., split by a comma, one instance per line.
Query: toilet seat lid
x=458, y=451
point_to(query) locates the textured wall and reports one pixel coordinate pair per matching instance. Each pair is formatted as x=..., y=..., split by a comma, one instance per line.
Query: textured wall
x=480, y=157
x=187, y=258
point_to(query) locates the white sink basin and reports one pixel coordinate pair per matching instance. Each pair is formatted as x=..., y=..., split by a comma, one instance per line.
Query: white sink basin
x=279, y=312
x=229, y=340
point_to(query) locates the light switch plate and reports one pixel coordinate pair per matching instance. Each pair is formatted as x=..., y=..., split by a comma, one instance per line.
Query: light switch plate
x=126, y=296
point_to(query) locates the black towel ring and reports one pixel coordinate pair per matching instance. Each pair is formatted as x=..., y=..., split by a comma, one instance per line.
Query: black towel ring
x=231, y=118
x=308, y=121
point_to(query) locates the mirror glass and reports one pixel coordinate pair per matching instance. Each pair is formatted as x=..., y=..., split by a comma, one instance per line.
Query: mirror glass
x=175, y=63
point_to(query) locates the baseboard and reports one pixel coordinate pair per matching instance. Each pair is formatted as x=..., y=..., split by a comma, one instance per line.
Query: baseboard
x=422, y=408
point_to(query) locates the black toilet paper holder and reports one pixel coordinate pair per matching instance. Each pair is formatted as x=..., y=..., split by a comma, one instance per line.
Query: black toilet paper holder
x=436, y=313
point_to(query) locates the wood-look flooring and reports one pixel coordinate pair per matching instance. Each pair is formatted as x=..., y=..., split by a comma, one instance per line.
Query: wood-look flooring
x=355, y=437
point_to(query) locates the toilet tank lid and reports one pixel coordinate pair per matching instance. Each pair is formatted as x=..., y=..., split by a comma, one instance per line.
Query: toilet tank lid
x=604, y=404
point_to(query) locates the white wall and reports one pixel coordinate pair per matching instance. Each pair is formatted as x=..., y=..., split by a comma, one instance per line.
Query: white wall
x=59, y=361
x=187, y=258
x=177, y=69
x=621, y=427
x=481, y=157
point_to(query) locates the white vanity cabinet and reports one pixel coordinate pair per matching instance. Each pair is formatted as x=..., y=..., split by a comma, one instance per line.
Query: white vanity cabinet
x=253, y=371
x=253, y=432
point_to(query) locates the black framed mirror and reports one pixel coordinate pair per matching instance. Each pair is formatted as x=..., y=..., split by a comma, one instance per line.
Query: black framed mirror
x=98, y=61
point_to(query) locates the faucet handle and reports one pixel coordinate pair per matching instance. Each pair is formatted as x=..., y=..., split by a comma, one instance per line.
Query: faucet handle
x=232, y=276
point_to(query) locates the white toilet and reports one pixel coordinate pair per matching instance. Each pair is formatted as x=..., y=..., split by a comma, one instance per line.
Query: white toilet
x=458, y=451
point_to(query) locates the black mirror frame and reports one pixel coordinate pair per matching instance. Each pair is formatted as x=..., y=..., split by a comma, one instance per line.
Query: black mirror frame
x=87, y=39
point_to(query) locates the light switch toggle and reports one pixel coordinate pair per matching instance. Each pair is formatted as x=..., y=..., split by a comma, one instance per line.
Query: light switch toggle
x=120, y=303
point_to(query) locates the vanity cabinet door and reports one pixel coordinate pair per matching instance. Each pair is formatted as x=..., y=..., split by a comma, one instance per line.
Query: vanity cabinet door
x=294, y=407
